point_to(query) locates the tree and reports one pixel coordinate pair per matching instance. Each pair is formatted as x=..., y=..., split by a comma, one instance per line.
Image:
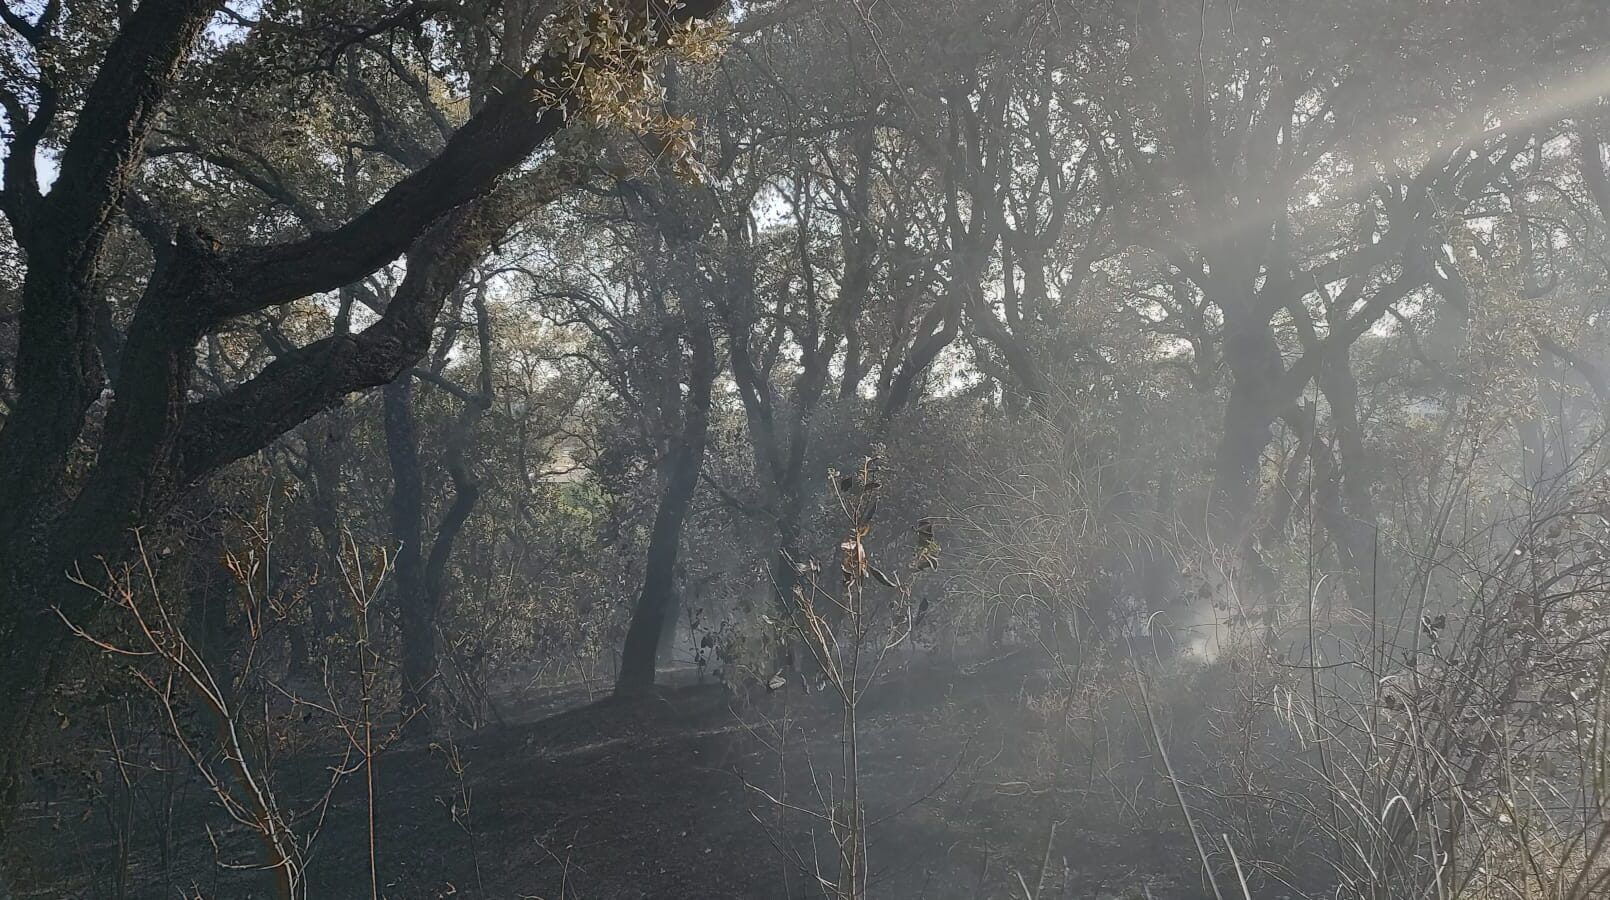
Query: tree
x=1291, y=207
x=156, y=440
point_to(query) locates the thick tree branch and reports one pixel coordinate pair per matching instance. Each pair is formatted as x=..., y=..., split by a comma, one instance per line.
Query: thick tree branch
x=104, y=149
x=506, y=131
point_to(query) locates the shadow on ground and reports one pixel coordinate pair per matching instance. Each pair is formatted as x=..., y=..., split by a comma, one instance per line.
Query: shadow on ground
x=684, y=793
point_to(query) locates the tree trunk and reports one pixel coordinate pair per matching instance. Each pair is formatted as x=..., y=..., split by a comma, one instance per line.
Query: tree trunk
x=416, y=602
x=1237, y=463
x=1256, y=368
x=1362, y=573
x=421, y=575
x=327, y=614
x=657, y=599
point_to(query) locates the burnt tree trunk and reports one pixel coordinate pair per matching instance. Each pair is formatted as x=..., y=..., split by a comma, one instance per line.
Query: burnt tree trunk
x=1362, y=572
x=681, y=467
x=416, y=601
x=59, y=372
x=1256, y=367
x=421, y=571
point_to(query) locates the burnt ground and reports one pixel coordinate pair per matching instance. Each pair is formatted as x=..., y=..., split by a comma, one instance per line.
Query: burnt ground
x=660, y=796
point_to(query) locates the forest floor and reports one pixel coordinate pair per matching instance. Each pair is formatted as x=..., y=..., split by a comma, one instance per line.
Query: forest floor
x=685, y=793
